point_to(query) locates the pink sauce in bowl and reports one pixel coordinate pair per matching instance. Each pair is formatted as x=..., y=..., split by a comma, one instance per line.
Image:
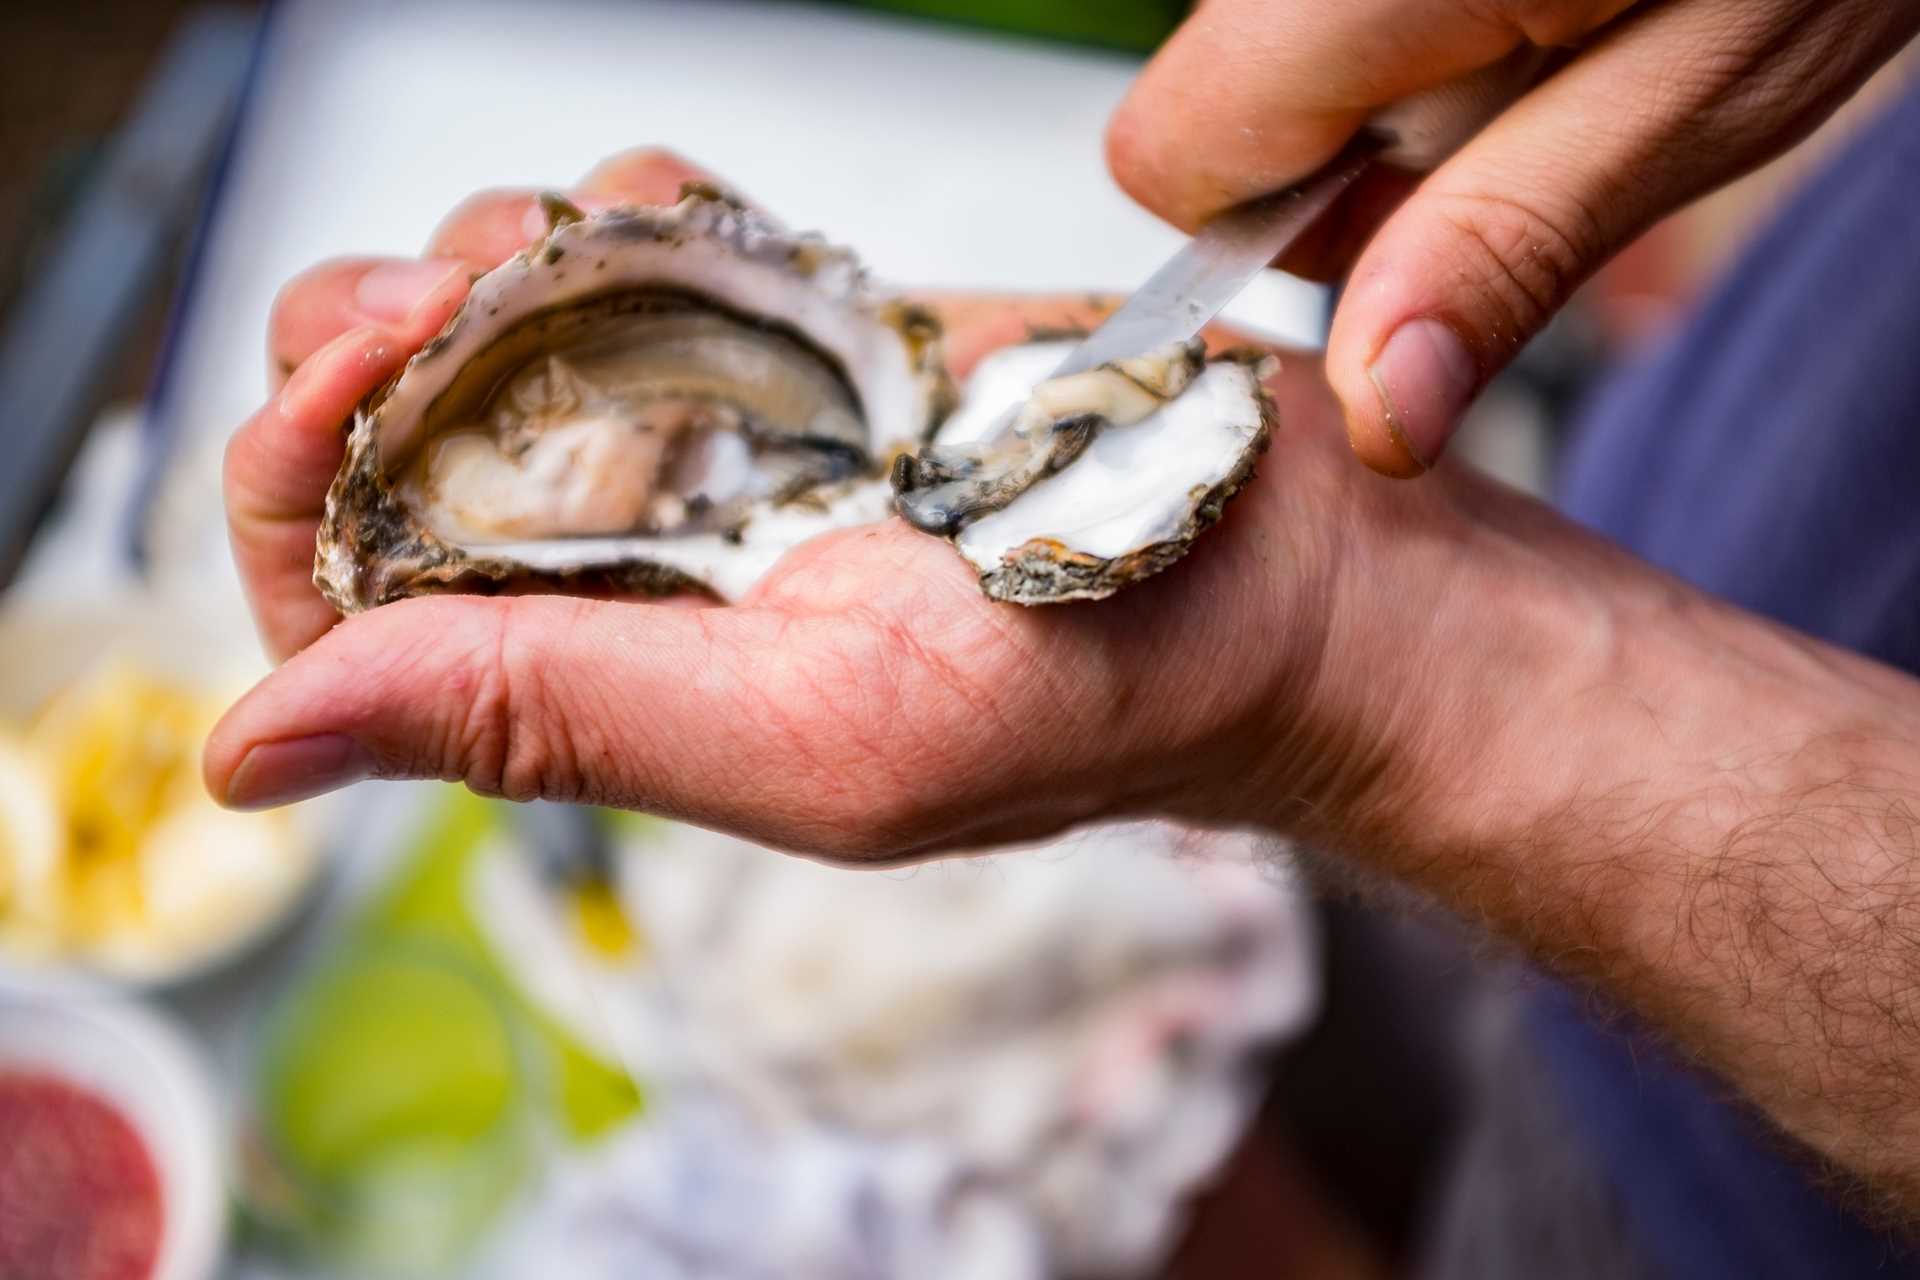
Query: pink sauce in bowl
x=80, y=1197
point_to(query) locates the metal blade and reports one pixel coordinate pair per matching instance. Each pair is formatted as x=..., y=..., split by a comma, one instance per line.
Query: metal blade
x=1200, y=280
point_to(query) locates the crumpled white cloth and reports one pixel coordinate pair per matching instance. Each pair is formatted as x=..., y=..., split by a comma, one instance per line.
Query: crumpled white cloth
x=702, y=1193
x=1013, y=1066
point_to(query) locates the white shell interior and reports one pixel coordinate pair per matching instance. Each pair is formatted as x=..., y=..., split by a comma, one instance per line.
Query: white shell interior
x=729, y=569
x=1134, y=485
x=728, y=254
x=741, y=261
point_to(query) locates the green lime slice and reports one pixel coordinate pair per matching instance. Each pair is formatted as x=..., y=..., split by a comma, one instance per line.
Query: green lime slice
x=393, y=1095
x=387, y=1055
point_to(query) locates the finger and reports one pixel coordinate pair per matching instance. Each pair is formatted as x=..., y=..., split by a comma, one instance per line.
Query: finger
x=644, y=175
x=1250, y=95
x=277, y=470
x=408, y=298
x=488, y=228
x=393, y=293
x=1493, y=243
x=974, y=325
x=491, y=226
x=743, y=719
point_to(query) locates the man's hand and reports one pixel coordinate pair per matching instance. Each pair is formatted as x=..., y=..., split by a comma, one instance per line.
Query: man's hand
x=866, y=703
x=1662, y=103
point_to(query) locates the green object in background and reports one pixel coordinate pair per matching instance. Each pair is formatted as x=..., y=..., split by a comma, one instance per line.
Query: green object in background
x=393, y=1101
x=427, y=901
x=400, y=1050
x=403, y=1080
x=1137, y=25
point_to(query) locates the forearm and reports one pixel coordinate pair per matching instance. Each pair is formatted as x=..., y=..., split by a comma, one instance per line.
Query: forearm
x=1714, y=818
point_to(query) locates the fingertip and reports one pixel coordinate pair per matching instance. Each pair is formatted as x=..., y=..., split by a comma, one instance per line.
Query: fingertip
x=409, y=298
x=412, y=297
x=1164, y=172
x=487, y=227
x=221, y=753
x=330, y=382
x=268, y=775
x=314, y=723
x=1132, y=156
x=1373, y=433
x=216, y=768
x=1423, y=379
x=311, y=310
x=1378, y=445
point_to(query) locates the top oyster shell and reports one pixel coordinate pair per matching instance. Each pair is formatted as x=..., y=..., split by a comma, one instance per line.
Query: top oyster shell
x=780, y=372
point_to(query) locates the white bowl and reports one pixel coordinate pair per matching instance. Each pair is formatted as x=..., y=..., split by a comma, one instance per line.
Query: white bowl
x=206, y=644
x=82, y=1033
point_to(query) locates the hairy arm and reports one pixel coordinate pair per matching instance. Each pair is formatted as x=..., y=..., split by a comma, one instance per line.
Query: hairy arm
x=1713, y=818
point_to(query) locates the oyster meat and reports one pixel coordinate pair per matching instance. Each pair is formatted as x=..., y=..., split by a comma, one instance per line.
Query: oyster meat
x=655, y=399
x=1100, y=479
x=671, y=398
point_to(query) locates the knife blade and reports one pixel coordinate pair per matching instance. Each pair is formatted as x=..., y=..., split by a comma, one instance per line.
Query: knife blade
x=1210, y=271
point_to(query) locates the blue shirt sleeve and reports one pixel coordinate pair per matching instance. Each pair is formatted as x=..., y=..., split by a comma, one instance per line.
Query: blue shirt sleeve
x=1770, y=453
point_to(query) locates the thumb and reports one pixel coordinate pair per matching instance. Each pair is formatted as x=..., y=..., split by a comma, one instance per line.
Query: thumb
x=1664, y=107
x=678, y=711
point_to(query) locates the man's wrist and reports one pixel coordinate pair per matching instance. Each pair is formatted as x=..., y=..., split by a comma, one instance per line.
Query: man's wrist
x=1451, y=626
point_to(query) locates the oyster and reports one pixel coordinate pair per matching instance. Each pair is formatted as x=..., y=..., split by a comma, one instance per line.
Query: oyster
x=670, y=399
x=654, y=399
x=1101, y=478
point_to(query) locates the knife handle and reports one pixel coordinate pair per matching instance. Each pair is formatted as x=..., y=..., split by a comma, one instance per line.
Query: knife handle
x=1417, y=133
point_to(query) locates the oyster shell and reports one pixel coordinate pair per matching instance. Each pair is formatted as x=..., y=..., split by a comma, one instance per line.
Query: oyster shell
x=1103, y=478
x=653, y=399
x=670, y=399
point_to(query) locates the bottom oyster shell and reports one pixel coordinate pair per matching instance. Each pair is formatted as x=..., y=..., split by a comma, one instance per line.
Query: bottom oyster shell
x=1107, y=478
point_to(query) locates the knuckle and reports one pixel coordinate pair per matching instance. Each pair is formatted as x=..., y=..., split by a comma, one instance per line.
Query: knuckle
x=1527, y=259
x=519, y=741
x=644, y=164
x=483, y=729
x=1550, y=22
x=487, y=200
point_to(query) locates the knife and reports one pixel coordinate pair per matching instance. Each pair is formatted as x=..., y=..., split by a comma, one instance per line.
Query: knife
x=1196, y=284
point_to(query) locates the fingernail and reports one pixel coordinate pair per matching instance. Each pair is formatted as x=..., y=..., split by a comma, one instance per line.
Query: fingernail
x=277, y=773
x=391, y=292
x=1425, y=377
